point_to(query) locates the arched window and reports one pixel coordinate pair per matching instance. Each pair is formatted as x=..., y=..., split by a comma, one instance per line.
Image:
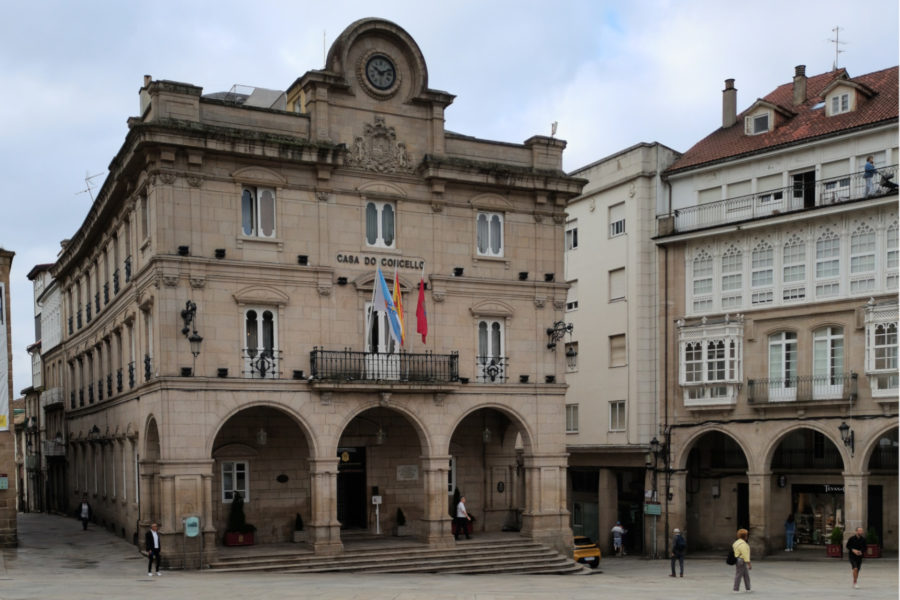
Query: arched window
x=380, y=224
x=489, y=230
x=260, y=350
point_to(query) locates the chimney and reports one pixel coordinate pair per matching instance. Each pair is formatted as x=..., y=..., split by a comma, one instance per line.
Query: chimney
x=144, y=94
x=729, y=104
x=799, y=85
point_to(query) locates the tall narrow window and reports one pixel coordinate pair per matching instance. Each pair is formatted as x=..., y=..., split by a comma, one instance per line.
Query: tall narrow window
x=793, y=277
x=235, y=478
x=145, y=217
x=732, y=269
x=571, y=238
x=491, y=361
x=783, y=366
x=489, y=234
x=828, y=264
x=258, y=212
x=378, y=335
x=260, y=349
x=862, y=260
x=617, y=415
x=828, y=356
x=693, y=363
x=702, y=282
x=891, y=257
x=761, y=274
x=617, y=284
x=617, y=219
x=380, y=224
x=571, y=418
x=617, y=351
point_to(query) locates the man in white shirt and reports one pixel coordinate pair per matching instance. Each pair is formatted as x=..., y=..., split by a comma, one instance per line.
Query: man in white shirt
x=462, y=519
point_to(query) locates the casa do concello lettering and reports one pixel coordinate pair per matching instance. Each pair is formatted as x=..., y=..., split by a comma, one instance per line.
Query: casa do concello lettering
x=383, y=261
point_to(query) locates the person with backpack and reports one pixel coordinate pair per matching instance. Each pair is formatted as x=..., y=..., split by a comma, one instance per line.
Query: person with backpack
x=741, y=550
x=679, y=546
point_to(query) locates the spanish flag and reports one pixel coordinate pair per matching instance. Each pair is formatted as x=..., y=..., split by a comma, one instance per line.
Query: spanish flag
x=398, y=305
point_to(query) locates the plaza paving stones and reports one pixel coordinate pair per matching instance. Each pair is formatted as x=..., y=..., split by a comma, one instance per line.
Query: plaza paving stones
x=56, y=559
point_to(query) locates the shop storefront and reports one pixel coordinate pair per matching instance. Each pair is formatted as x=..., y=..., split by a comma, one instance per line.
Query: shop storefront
x=817, y=508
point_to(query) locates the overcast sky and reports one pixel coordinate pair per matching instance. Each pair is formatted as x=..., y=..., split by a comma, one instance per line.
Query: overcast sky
x=612, y=73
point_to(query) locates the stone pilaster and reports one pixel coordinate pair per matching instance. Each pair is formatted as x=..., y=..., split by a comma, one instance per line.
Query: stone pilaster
x=760, y=485
x=546, y=518
x=324, y=528
x=436, y=521
x=856, y=502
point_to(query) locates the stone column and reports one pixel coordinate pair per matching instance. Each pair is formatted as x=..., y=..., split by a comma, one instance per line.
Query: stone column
x=856, y=502
x=677, y=509
x=546, y=518
x=436, y=522
x=167, y=503
x=607, y=510
x=324, y=528
x=206, y=518
x=760, y=485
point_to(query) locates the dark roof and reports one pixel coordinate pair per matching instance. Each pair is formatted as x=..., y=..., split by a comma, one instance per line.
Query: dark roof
x=807, y=123
x=38, y=269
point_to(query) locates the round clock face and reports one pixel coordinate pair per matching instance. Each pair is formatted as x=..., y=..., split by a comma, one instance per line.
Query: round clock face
x=380, y=72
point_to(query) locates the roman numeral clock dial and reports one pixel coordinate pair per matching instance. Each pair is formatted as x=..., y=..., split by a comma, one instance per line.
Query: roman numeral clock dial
x=380, y=72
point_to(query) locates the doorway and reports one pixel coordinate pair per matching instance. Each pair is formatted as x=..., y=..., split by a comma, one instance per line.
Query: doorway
x=743, y=505
x=351, y=488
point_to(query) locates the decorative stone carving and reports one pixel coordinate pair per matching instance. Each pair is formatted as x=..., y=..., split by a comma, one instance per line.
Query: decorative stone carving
x=198, y=281
x=169, y=280
x=385, y=398
x=378, y=150
x=437, y=207
x=437, y=296
x=194, y=180
x=324, y=289
x=540, y=302
x=323, y=196
x=559, y=218
x=167, y=178
x=325, y=398
x=439, y=399
x=559, y=304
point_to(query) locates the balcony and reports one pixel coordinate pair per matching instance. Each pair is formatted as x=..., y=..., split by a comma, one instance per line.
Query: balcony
x=261, y=365
x=491, y=369
x=53, y=448
x=53, y=398
x=791, y=199
x=815, y=389
x=348, y=366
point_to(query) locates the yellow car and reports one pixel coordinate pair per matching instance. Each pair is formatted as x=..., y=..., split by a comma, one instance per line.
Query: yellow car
x=586, y=552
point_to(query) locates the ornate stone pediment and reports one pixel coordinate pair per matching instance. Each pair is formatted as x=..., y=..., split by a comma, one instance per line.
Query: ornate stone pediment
x=378, y=150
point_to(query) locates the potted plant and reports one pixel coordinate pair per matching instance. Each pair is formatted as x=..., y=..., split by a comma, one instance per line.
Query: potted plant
x=835, y=547
x=873, y=550
x=402, y=528
x=238, y=532
x=299, y=534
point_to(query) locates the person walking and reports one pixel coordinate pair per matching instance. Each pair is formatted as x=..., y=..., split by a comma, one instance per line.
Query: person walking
x=618, y=532
x=462, y=519
x=151, y=541
x=85, y=512
x=679, y=546
x=742, y=566
x=869, y=175
x=857, y=547
x=790, y=527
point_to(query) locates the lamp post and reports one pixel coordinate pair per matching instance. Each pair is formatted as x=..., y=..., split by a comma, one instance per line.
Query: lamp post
x=847, y=436
x=189, y=316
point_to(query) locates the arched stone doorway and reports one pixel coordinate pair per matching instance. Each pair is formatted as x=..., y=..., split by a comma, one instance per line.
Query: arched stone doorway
x=150, y=509
x=807, y=470
x=717, y=499
x=487, y=451
x=262, y=454
x=881, y=494
x=380, y=455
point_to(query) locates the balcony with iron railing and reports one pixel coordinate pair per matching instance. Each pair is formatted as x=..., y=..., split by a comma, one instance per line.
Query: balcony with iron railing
x=491, y=369
x=406, y=368
x=263, y=364
x=838, y=388
x=791, y=199
x=52, y=398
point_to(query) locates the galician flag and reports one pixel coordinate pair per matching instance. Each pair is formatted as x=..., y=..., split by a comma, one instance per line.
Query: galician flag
x=421, y=317
x=398, y=304
x=382, y=302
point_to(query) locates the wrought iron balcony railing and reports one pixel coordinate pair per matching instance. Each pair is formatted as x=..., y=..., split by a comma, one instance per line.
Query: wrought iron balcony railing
x=347, y=365
x=261, y=364
x=807, y=388
x=491, y=369
x=793, y=198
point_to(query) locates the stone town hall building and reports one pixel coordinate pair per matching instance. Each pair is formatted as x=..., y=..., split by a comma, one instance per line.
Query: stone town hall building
x=256, y=221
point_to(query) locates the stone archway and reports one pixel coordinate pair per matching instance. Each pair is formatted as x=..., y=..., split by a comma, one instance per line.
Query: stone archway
x=150, y=508
x=488, y=450
x=716, y=487
x=881, y=488
x=262, y=453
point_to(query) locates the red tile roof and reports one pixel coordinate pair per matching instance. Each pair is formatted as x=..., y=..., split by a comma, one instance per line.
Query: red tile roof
x=808, y=124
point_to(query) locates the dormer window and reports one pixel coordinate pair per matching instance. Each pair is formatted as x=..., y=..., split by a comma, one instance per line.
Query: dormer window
x=756, y=124
x=840, y=103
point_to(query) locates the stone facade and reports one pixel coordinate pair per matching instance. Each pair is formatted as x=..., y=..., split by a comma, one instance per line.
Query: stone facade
x=8, y=468
x=780, y=316
x=256, y=222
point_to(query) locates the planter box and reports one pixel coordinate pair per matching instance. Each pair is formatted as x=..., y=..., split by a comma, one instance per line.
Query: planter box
x=834, y=550
x=238, y=539
x=300, y=537
x=873, y=551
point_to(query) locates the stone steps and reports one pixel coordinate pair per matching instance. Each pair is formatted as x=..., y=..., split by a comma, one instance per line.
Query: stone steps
x=471, y=558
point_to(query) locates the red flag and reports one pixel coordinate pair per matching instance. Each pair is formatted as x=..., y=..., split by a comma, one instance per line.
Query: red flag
x=421, y=317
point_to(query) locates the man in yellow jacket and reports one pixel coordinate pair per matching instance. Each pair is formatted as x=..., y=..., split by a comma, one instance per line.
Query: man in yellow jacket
x=742, y=566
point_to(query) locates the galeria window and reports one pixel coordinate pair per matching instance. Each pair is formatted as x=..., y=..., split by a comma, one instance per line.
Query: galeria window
x=489, y=234
x=881, y=350
x=380, y=217
x=710, y=361
x=258, y=212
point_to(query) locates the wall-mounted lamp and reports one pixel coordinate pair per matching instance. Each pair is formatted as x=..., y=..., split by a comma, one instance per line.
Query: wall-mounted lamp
x=189, y=316
x=847, y=436
x=380, y=436
x=486, y=435
x=262, y=437
x=94, y=432
x=557, y=331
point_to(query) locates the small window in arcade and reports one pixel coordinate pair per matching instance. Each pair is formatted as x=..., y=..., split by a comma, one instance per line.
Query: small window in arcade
x=884, y=455
x=585, y=481
x=806, y=449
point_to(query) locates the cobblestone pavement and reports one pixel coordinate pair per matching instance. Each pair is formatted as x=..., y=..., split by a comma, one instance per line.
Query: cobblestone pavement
x=56, y=559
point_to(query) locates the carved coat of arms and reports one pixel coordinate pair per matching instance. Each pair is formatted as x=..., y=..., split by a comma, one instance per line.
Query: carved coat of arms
x=378, y=150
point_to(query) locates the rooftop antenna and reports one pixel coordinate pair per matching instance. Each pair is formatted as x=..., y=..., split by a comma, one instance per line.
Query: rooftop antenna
x=324, y=54
x=89, y=184
x=837, y=42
